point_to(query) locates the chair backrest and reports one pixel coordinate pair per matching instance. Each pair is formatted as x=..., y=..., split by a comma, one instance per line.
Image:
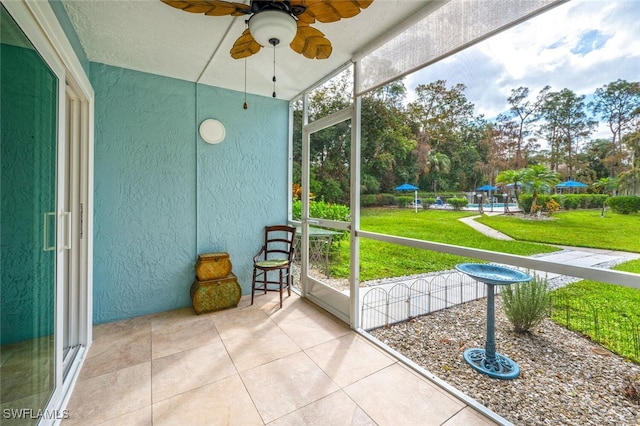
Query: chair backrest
x=278, y=242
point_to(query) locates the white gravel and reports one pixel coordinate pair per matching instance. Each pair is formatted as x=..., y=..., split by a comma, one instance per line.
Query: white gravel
x=565, y=379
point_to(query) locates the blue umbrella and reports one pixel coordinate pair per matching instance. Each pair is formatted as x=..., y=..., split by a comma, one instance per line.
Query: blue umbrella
x=571, y=184
x=487, y=188
x=405, y=187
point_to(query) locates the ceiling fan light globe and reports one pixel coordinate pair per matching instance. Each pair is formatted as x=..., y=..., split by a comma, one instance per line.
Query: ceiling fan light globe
x=273, y=24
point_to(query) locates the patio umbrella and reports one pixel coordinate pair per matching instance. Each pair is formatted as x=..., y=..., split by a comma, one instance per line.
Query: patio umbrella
x=571, y=184
x=408, y=187
x=405, y=187
x=487, y=188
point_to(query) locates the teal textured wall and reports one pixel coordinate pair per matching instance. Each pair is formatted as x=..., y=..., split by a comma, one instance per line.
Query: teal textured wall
x=70, y=32
x=163, y=195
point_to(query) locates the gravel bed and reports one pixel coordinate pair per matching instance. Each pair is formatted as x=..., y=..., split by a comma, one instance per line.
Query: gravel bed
x=565, y=378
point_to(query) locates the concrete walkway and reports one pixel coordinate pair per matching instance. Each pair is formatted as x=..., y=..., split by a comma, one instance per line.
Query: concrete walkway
x=489, y=232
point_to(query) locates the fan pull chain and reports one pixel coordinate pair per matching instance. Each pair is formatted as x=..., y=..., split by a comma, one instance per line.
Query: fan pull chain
x=245, y=106
x=274, y=42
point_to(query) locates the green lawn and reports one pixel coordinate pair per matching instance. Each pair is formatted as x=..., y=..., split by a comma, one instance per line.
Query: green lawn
x=613, y=308
x=578, y=228
x=607, y=313
x=382, y=260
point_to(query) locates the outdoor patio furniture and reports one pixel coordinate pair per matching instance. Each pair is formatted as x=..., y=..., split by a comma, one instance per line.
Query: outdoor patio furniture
x=319, y=245
x=275, y=255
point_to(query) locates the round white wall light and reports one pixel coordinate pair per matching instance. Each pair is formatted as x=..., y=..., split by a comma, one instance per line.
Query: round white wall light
x=212, y=131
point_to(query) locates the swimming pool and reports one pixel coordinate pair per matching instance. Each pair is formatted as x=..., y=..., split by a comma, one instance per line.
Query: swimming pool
x=495, y=205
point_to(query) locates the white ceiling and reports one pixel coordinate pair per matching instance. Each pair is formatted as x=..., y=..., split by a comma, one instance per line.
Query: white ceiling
x=150, y=36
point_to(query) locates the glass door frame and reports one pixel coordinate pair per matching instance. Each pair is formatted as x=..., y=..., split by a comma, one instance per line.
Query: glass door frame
x=41, y=26
x=344, y=307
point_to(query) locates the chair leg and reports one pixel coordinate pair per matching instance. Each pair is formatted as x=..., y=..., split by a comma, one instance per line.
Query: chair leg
x=253, y=285
x=289, y=281
x=280, y=272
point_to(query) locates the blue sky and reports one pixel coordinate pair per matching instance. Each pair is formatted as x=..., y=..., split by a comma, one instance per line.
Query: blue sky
x=580, y=45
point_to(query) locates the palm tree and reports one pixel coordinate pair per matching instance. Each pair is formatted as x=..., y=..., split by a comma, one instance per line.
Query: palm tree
x=438, y=163
x=605, y=185
x=539, y=179
x=510, y=177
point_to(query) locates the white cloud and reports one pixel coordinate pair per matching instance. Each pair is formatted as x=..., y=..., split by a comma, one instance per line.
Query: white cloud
x=580, y=45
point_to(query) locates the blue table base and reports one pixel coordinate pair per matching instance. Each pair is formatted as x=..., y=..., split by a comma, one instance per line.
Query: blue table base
x=498, y=366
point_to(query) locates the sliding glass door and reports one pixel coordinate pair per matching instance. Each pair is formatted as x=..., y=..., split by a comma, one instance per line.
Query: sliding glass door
x=45, y=157
x=28, y=222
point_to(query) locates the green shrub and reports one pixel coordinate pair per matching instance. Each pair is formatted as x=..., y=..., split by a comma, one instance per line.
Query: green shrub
x=404, y=201
x=377, y=200
x=570, y=202
x=583, y=201
x=624, y=204
x=567, y=201
x=525, y=202
x=426, y=202
x=387, y=199
x=369, y=200
x=598, y=200
x=322, y=210
x=458, y=203
x=526, y=304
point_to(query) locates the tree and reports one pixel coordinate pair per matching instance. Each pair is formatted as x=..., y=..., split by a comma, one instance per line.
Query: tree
x=447, y=126
x=538, y=179
x=522, y=114
x=629, y=181
x=438, y=163
x=597, y=154
x=387, y=140
x=615, y=104
x=510, y=177
x=566, y=125
x=329, y=148
x=606, y=185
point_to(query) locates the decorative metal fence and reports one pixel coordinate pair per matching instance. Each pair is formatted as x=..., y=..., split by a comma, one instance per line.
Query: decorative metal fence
x=601, y=324
x=393, y=303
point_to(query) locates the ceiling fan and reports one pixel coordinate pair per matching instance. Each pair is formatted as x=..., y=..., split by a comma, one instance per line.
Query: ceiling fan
x=274, y=22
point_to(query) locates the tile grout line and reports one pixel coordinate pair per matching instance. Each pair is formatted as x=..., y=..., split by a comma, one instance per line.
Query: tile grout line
x=244, y=385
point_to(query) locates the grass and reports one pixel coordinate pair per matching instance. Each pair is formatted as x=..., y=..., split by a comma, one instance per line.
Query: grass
x=382, y=260
x=577, y=228
x=607, y=313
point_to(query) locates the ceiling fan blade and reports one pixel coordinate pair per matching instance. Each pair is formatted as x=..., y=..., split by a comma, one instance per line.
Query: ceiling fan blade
x=329, y=10
x=245, y=46
x=311, y=43
x=210, y=7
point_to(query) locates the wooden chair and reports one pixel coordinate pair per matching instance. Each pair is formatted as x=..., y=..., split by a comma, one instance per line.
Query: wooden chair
x=275, y=255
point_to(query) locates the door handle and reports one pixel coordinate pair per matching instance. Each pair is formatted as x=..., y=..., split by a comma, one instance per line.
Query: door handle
x=47, y=221
x=67, y=216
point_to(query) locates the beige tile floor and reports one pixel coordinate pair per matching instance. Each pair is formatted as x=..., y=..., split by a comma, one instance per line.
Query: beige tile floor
x=252, y=365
